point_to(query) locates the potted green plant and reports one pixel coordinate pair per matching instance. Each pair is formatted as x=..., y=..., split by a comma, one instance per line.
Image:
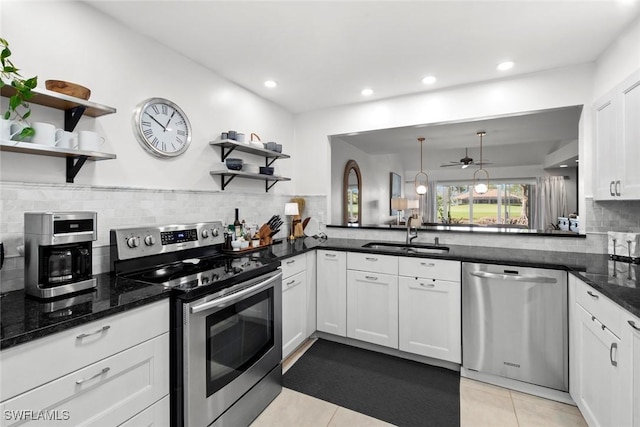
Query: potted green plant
x=18, y=109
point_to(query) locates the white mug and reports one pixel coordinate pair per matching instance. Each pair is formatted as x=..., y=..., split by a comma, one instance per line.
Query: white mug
x=15, y=128
x=66, y=139
x=45, y=134
x=7, y=131
x=89, y=140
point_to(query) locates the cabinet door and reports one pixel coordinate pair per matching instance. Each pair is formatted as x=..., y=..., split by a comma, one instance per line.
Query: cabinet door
x=630, y=371
x=629, y=115
x=372, y=307
x=599, y=383
x=429, y=318
x=331, y=292
x=605, y=142
x=157, y=415
x=294, y=325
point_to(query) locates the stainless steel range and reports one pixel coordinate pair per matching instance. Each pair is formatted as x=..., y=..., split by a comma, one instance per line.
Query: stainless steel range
x=226, y=332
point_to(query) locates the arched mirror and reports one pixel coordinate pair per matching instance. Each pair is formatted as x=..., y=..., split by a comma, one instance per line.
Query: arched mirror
x=352, y=194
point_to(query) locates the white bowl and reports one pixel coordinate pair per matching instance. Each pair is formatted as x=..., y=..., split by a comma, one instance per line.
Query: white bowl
x=236, y=244
x=244, y=244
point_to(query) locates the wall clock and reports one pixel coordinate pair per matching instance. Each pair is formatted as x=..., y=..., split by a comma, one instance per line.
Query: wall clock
x=161, y=127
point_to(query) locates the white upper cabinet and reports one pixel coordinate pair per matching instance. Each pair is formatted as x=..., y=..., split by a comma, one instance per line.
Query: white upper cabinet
x=616, y=132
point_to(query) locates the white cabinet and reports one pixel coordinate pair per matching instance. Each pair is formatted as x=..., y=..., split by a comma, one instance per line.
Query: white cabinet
x=331, y=292
x=294, y=313
x=616, y=131
x=372, y=307
x=429, y=308
x=103, y=372
x=630, y=371
x=598, y=356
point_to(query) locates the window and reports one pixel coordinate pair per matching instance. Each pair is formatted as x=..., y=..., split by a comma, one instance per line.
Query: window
x=504, y=204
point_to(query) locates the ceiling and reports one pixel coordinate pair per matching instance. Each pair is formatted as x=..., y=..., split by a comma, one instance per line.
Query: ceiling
x=323, y=53
x=516, y=140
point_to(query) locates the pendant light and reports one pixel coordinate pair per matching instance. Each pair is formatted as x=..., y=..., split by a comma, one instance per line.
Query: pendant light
x=422, y=179
x=480, y=185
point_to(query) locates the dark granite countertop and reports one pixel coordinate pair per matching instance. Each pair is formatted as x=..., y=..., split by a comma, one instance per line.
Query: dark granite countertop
x=23, y=319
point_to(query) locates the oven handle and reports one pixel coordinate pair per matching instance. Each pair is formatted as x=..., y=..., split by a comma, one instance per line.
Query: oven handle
x=220, y=301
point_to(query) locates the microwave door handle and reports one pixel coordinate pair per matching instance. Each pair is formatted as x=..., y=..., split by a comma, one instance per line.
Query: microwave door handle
x=236, y=295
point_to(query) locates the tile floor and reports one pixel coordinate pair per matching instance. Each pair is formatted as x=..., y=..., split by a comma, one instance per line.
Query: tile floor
x=480, y=405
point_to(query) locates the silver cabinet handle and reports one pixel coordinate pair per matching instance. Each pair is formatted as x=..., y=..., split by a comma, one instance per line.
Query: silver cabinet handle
x=633, y=325
x=371, y=277
x=611, y=184
x=427, y=264
x=613, y=346
x=291, y=262
x=592, y=295
x=330, y=255
x=99, y=331
x=534, y=279
x=617, y=188
x=291, y=282
x=427, y=285
x=102, y=372
x=371, y=258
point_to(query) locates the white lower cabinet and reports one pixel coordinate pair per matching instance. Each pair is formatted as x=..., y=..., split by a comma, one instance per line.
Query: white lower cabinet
x=331, y=292
x=294, y=313
x=157, y=415
x=109, y=390
x=429, y=318
x=372, y=307
x=630, y=371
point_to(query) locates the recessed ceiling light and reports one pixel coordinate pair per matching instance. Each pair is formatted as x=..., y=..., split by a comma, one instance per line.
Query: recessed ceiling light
x=271, y=83
x=367, y=92
x=504, y=66
x=429, y=80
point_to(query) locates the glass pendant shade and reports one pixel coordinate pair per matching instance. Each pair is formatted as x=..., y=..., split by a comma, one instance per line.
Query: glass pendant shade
x=422, y=179
x=481, y=176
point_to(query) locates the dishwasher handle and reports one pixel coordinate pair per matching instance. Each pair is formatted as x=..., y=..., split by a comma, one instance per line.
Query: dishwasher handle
x=516, y=277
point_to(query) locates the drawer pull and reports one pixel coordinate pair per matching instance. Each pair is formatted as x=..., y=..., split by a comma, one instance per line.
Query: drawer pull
x=427, y=264
x=593, y=295
x=427, y=285
x=633, y=325
x=103, y=329
x=102, y=372
x=613, y=346
x=291, y=282
x=291, y=262
x=330, y=255
x=371, y=277
x=369, y=258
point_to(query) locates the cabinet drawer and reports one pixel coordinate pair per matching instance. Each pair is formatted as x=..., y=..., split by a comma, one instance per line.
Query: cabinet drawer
x=372, y=262
x=157, y=415
x=598, y=305
x=293, y=265
x=429, y=268
x=108, y=392
x=69, y=350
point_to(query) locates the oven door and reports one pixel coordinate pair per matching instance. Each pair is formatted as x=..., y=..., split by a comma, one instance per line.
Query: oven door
x=231, y=341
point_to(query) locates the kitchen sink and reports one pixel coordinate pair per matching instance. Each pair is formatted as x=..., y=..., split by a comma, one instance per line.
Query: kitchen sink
x=410, y=249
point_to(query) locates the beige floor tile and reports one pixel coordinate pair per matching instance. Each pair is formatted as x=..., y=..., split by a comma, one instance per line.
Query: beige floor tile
x=347, y=418
x=293, y=409
x=551, y=404
x=484, y=387
x=537, y=412
x=483, y=407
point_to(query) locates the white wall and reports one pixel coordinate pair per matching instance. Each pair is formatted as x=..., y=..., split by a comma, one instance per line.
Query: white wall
x=550, y=89
x=375, y=170
x=71, y=41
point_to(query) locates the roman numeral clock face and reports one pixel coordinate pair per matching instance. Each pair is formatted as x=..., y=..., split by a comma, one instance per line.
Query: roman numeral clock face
x=161, y=127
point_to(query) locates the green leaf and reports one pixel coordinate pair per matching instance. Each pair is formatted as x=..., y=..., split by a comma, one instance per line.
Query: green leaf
x=5, y=53
x=27, y=132
x=32, y=82
x=7, y=115
x=10, y=69
x=14, y=102
x=27, y=114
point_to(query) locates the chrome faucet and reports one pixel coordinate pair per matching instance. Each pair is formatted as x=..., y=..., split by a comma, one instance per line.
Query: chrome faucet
x=411, y=234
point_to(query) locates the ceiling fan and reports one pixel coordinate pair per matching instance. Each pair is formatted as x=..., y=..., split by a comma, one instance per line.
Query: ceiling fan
x=464, y=162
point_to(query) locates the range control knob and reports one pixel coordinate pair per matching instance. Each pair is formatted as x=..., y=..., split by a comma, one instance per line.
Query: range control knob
x=214, y=232
x=149, y=240
x=133, y=242
x=205, y=233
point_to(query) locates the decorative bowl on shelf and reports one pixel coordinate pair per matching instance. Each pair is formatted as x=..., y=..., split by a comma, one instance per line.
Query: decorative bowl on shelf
x=68, y=88
x=271, y=146
x=266, y=170
x=234, y=164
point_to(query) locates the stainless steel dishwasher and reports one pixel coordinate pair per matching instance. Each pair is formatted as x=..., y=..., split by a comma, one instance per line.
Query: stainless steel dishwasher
x=515, y=324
